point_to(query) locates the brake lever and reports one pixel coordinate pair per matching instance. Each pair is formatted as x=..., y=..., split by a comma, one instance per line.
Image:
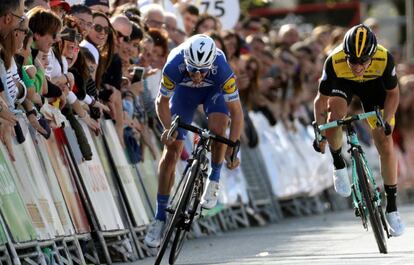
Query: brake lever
x=174, y=126
x=236, y=149
x=380, y=120
x=318, y=136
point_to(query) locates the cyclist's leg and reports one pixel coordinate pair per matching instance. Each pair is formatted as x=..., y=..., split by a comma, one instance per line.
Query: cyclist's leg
x=338, y=107
x=183, y=103
x=218, y=120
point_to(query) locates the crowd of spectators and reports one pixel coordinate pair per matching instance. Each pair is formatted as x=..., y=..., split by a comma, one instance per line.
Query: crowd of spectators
x=84, y=62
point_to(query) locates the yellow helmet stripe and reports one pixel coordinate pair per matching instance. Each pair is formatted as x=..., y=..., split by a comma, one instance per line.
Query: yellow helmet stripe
x=358, y=49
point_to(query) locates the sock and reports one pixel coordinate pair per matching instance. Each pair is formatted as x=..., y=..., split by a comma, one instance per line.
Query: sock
x=338, y=160
x=215, y=171
x=162, y=202
x=391, y=193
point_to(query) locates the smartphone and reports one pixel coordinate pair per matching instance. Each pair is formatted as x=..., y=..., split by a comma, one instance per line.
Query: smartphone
x=138, y=74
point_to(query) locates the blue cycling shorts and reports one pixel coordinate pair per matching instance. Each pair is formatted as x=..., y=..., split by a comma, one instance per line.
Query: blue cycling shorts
x=185, y=101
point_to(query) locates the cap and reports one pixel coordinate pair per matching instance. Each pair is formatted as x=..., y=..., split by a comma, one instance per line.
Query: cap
x=97, y=3
x=61, y=3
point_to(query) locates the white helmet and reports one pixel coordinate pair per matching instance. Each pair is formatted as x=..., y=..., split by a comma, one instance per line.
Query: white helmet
x=200, y=52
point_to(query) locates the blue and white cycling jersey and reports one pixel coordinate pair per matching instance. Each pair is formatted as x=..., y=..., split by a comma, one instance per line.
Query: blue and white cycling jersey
x=220, y=76
x=217, y=88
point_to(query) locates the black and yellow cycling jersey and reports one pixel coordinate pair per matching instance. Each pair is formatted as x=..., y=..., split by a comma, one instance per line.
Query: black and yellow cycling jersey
x=338, y=80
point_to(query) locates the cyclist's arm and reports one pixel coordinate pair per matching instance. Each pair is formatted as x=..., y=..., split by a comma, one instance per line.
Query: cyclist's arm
x=231, y=96
x=392, y=100
x=393, y=92
x=163, y=110
x=237, y=119
x=320, y=105
x=162, y=101
x=326, y=83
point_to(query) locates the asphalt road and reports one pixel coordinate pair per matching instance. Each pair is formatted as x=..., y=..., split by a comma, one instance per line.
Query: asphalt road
x=332, y=238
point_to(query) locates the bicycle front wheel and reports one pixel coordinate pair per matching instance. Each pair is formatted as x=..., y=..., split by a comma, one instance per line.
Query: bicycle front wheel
x=367, y=191
x=190, y=212
x=178, y=209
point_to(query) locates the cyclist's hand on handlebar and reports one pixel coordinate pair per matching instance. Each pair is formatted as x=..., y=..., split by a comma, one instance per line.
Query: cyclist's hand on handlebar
x=320, y=148
x=231, y=164
x=387, y=129
x=164, y=137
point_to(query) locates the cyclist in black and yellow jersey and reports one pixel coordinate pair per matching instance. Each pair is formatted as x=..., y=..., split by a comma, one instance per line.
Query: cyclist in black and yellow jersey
x=364, y=68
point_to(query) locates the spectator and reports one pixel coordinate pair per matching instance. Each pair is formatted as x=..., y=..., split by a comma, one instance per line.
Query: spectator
x=29, y=4
x=83, y=17
x=175, y=35
x=59, y=7
x=153, y=16
x=205, y=23
x=11, y=15
x=98, y=6
x=190, y=15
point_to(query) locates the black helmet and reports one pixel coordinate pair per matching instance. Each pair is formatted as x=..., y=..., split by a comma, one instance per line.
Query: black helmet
x=360, y=43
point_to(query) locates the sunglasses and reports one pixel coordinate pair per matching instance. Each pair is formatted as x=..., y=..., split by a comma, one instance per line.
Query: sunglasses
x=193, y=69
x=361, y=60
x=99, y=28
x=21, y=18
x=120, y=35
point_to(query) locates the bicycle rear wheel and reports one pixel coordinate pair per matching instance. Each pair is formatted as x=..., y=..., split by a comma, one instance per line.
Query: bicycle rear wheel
x=178, y=209
x=368, y=194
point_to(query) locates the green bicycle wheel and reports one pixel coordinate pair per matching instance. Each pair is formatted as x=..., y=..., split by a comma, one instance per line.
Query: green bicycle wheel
x=368, y=194
x=178, y=210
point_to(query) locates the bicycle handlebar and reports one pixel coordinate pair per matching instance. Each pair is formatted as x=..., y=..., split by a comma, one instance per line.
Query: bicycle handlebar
x=176, y=123
x=348, y=120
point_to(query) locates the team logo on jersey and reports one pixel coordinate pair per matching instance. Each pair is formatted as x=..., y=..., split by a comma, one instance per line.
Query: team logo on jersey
x=230, y=86
x=167, y=83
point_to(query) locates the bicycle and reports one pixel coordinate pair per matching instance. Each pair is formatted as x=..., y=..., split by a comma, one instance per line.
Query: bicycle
x=366, y=195
x=184, y=205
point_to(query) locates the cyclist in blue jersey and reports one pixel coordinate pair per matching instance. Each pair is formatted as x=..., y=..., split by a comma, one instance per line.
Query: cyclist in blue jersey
x=196, y=72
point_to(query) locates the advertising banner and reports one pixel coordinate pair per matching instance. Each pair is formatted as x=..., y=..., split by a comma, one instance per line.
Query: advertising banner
x=147, y=179
x=12, y=205
x=3, y=236
x=98, y=189
x=61, y=167
x=34, y=188
x=125, y=172
x=52, y=182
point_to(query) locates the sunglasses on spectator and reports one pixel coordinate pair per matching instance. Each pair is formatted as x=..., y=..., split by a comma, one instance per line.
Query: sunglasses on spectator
x=120, y=35
x=99, y=28
x=360, y=61
x=21, y=18
x=193, y=69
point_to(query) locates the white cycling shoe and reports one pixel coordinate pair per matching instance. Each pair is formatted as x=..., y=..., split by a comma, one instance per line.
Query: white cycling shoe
x=341, y=182
x=154, y=234
x=210, y=196
x=395, y=223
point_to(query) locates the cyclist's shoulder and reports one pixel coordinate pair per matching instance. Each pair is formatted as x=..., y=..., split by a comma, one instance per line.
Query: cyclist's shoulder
x=175, y=66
